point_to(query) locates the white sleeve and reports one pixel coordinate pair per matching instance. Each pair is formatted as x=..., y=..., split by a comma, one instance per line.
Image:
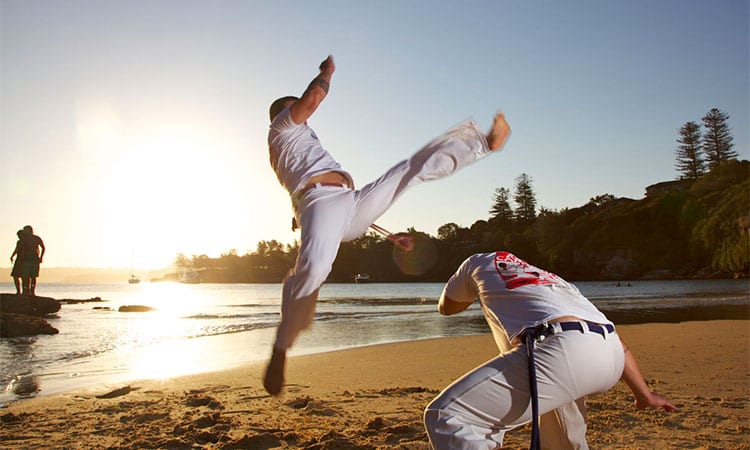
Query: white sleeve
x=284, y=121
x=461, y=286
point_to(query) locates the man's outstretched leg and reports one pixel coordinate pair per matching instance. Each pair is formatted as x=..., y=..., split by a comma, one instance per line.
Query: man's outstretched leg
x=439, y=158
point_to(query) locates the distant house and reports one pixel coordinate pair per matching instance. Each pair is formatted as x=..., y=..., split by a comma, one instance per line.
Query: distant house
x=668, y=186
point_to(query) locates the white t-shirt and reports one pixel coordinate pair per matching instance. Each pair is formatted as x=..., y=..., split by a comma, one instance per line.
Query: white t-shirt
x=516, y=295
x=296, y=153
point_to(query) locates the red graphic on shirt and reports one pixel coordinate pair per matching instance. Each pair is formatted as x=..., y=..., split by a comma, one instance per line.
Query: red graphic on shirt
x=516, y=272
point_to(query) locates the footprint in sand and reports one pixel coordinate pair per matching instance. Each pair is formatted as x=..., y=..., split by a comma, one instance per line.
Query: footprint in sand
x=199, y=400
x=312, y=406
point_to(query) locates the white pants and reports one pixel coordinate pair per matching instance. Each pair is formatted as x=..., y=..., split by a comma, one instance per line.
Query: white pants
x=330, y=215
x=475, y=411
x=564, y=428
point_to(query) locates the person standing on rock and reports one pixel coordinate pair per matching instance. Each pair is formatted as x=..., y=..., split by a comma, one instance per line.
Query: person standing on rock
x=17, y=272
x=33, y=253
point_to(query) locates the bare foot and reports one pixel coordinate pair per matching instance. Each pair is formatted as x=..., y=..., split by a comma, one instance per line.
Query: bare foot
x=498, y=133
x=273, y=379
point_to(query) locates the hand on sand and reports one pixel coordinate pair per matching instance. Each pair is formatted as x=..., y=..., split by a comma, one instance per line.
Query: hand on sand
x=655, y=400
x=273, y=379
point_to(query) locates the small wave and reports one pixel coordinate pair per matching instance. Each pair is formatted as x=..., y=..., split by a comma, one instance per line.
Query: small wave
x=86, y=353
x=218, y=316
x=361, y=315
x=231, y=329
x=378, y=301
x=248, y=305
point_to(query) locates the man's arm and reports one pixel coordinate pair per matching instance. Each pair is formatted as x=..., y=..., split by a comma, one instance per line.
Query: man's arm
x=316, y=91
x=15, y=252
x=44, y=249
x=644, y=397
x=460, y=286
x=448, y=307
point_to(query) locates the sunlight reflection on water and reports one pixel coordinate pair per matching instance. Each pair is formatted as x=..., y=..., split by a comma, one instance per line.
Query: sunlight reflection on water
x=200, y=328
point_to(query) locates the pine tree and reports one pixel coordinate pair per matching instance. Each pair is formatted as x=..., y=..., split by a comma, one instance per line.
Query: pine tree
x=524, y=198
x=689, y=154
x=717, y=139
x=501, y=205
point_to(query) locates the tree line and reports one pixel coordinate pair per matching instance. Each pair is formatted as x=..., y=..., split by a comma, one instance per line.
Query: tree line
x=696, y=227
x=699, y=151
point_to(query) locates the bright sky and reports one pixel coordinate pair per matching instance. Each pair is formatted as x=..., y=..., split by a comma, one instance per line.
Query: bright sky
x=134, y=130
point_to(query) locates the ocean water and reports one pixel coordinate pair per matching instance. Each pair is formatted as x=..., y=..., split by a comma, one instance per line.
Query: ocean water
x=207, y=327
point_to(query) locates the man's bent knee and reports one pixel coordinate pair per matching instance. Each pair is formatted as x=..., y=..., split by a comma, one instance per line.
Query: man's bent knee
x=307, y=279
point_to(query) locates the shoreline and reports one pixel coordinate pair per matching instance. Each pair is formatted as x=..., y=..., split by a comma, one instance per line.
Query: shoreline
x=372, y=397
x=679, y=313
x=227, y=351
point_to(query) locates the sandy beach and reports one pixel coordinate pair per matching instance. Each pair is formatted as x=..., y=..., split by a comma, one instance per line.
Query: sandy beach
x=373, y=397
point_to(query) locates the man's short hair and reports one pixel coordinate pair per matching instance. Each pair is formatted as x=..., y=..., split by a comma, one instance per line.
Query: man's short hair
x=279, y=104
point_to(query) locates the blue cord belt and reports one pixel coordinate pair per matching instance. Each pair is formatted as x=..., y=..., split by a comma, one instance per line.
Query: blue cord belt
x=531, y=336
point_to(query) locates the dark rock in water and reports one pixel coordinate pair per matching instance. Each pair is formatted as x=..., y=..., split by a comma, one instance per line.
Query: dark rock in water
x=29, y=305
x=23, y=386
x=74, y=301
x=135, y=308
x=16, y=325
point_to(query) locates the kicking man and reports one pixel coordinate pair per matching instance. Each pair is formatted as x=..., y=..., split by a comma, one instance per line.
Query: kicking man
x=328, y=208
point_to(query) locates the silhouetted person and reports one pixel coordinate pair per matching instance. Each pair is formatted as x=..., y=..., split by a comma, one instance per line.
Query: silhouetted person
x=33, y=253
x=17, y=272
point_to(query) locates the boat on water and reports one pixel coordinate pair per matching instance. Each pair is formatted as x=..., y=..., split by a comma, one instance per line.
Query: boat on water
x=361, y=278
x=190, y=277
x=134, y=280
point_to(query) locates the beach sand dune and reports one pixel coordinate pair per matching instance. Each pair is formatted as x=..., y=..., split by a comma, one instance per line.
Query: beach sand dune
x=373, y=397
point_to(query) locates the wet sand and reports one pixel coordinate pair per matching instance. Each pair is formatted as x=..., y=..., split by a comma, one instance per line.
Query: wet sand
x=373, y=397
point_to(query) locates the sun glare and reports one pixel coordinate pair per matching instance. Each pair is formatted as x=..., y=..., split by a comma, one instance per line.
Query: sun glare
x=167, y=190
x=170, y=182
x=99, y=131
x=161, y=351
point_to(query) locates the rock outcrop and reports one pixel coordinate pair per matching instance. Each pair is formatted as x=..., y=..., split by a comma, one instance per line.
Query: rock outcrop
x=30, y=306
x=17, y=325
x=135, y=308
x=22, y=315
